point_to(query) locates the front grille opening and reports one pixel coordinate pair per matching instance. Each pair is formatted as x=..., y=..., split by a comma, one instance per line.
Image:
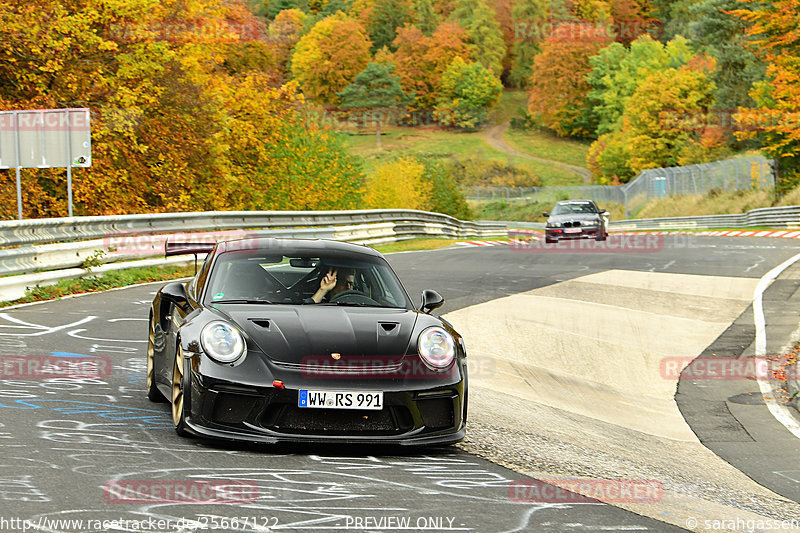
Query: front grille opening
x=293, y=419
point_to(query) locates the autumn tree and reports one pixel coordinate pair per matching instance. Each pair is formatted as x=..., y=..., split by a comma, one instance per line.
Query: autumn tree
x=398, y=184
x=774, y=118
x=468, y=91
x=329, y=57
x=558, y=89
x=655, y=124
x=617, y=72
x=420, y=61
x=186, y=114
x=284, y=32
x=376, y=90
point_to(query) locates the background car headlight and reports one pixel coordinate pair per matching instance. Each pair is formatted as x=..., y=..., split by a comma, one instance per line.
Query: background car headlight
x=222, y=342
x=553, y=225
x=436, y=347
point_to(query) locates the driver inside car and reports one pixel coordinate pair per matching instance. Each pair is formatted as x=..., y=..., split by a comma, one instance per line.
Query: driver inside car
x=333, y=283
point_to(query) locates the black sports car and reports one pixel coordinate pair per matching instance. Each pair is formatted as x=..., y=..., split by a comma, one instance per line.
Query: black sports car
x=304, y=340
x=576, y=219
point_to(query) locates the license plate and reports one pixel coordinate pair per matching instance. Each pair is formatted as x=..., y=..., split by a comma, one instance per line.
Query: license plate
x=572, y=230
x=322, y=399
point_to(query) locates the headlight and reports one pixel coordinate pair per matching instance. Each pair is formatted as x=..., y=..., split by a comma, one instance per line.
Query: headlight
x=436, y=347
x=222, y=342
x=553, y=225
x=591, y=223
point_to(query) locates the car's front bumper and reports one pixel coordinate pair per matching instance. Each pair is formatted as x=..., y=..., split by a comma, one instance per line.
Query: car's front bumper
x=415, y=413
x=586, y=232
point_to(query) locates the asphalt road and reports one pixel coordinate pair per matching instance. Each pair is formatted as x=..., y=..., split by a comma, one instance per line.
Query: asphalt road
x=67, y=445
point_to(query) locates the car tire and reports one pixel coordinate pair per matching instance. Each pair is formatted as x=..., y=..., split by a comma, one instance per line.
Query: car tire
x=548, y=240
x=601, y=236
x=180, y=393
x=153, y=394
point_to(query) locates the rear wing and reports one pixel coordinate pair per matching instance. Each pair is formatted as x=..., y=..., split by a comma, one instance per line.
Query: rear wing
x=185, y=248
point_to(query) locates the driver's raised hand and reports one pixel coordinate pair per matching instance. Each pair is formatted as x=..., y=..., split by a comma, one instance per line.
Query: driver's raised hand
x=327, y=283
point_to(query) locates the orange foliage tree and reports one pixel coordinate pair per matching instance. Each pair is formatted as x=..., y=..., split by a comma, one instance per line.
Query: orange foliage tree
x=328, y=58
x=420, y=61
x=774, y=120
x=558, y=86
x=186, y=114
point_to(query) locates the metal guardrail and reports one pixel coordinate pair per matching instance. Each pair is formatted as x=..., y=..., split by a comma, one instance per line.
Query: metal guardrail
x=126, y=237
x=787, y=217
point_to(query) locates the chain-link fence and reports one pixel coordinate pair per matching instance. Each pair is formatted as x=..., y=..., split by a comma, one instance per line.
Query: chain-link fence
x=738, y=174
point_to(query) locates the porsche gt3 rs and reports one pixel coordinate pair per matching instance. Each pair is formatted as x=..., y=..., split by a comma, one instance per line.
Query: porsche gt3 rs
x=304, y=341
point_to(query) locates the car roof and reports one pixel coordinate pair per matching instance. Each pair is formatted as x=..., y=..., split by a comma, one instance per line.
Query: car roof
x=310, y=247
x=575, y=202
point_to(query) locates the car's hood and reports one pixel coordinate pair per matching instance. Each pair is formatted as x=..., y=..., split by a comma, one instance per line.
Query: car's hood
x=571, y=217
x=290, y=334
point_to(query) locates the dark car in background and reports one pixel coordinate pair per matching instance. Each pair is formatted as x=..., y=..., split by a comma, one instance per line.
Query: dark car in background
x=244, y=351
x=576, y=219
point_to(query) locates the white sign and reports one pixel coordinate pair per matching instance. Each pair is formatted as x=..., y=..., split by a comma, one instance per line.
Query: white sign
x=45, y=138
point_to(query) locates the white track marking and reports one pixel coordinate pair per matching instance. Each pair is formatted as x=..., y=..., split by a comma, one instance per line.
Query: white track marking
x=780, y=412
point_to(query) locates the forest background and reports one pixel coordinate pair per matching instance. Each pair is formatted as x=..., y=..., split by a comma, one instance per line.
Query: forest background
x=283, y=104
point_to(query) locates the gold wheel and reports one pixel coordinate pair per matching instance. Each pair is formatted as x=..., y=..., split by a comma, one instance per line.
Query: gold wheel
x=178, y=393
x=152, y=389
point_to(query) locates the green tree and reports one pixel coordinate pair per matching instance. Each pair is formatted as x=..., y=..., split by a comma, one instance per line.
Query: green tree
x=375, y=89
x=723, y=36
x=617, y=72
x=528, y=17
x=425, y=17
x=386, y=17
x=485, y=38
x=468, y=91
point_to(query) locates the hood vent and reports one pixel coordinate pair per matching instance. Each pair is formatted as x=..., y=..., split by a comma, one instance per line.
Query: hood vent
x=388, y=328
x=260, y=322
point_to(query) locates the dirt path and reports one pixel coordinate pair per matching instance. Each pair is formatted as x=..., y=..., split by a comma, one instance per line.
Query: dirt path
x=494, y=136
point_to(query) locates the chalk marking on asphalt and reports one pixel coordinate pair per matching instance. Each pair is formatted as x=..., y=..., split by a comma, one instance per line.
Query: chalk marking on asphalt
x=780, y=412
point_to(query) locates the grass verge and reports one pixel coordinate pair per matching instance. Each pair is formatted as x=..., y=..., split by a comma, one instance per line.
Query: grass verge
x=96, y=283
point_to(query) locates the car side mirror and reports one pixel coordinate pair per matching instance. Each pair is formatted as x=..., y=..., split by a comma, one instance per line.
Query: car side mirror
x=176, y=293
x=604, y=212
x=430, y=300
x=545, y=214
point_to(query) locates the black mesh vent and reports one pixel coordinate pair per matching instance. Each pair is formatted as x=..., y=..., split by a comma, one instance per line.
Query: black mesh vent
x=436, y=412
x=232, y=408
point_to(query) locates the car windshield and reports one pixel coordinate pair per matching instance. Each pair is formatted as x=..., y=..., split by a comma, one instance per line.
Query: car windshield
x=255, y=277
x=574, y=207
